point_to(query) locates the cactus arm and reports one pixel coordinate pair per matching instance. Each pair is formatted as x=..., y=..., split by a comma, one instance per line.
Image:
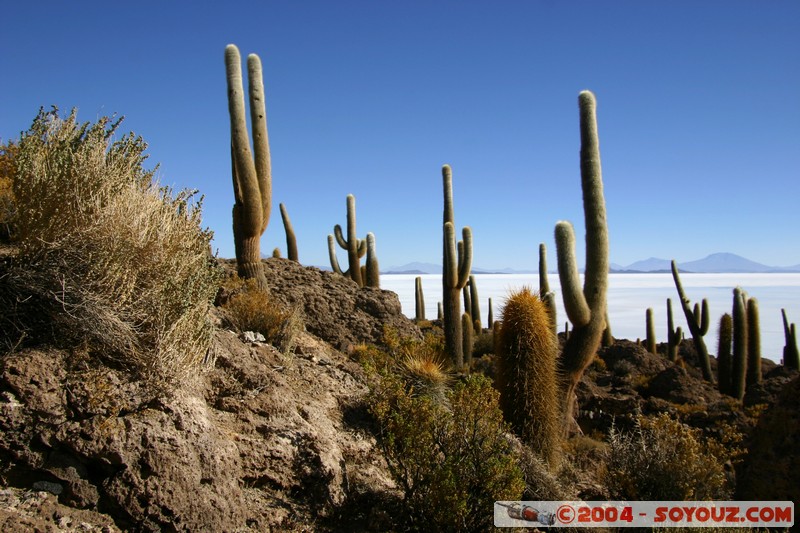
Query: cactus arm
x=705, y=318
x=575, y=303
x=337, y=232
x=244, y=168
x=332, y=254
x=475, y=302
x=465, y=257
x=258, y=125
x=753, y=343
x=594, y=206
x=450, y=259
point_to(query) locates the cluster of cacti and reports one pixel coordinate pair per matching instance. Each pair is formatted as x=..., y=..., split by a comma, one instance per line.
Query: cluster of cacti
x=791, y=355
x=457, y=265
x=698, y=321
x=527, y=351
x=739, y=364
x=291, y=240
x=367, y=275
x=674, y=336
x=585, y=307
x=419, y=299
x=252, y=175
x=745, y=364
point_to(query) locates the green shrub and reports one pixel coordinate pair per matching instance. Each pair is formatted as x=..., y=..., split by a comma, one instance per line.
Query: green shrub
x=451, y=459
x=663, y=459
x=107, y=258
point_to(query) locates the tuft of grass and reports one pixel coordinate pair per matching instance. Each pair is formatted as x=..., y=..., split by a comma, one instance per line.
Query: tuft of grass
x=107, y=257
x=251, y=308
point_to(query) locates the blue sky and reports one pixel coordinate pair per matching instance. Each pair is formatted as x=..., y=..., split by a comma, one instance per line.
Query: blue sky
x=697, y=109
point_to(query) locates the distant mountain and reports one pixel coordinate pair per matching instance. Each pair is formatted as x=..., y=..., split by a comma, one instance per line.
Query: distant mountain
x=715, y=263
x=650, y=265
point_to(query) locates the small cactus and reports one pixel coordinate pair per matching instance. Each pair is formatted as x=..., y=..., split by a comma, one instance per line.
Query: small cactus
x=791, y=355
x=527, y=351
x=419, y=299
x=698, y=322
x=373, y=275
x=724, y=357
x=291, y=240
x=475, y=303
x=753, y=343
x=491, y=315
x=674, y=336
x=650, y=327
x=739, y=375
x=547, y=296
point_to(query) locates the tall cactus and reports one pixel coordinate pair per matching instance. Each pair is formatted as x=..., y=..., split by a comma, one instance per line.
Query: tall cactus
x=251, y=169
x=527, y=351
x=698, y=325
x=724, y=357
x=791, y=355
x=291, y=239
x=419, y=299
x=490, y=319
x=739, y=377
x=586, y=307
x=753, y=343
x=457, y=266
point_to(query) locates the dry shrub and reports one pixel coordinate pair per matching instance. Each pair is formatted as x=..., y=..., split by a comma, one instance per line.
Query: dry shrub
x=252, y=309
x=106, y=255
x=8, y=153
x=663, y=459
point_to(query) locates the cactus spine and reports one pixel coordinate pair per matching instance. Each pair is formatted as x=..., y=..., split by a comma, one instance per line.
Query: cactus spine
x=698, y=322
x=527, y=350
x=419, y=299
x=791, y=355
x=291, y=240
x=455, y=275
x=251, y=169
x=651, y=331
x=724, y=357
x=739, y=377
x=586, y=308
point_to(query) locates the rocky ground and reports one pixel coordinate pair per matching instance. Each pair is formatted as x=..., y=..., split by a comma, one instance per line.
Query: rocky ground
x=271, y=442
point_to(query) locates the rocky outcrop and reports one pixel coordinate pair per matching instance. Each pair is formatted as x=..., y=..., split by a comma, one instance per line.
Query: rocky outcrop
x=334, y=307
x=260, y=441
